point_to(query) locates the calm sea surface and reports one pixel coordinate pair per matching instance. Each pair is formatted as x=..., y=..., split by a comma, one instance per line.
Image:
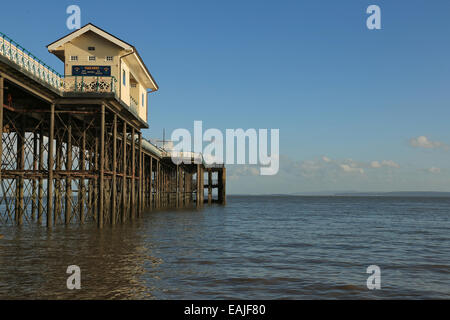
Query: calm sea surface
x=254, y=248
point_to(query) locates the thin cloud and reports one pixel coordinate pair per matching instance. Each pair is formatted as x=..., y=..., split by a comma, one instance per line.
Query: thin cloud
x=434, y=170
x=426, y=143
x=326, y=159
x=326, y=173
x=384, y=163
x=349, y=168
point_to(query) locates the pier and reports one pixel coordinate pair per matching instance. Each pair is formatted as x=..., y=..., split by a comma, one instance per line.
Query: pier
x=72, y=147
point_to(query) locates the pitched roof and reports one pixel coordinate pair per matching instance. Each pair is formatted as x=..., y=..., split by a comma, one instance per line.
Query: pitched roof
x=84, y=29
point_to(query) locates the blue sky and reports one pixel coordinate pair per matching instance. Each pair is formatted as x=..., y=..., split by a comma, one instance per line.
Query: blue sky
x=336, y=90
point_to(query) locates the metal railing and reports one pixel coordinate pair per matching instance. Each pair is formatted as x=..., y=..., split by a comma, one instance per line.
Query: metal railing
x=215, y=165
x=89, y=84
x=184, y=154
x=25, y=59
x=134, y=105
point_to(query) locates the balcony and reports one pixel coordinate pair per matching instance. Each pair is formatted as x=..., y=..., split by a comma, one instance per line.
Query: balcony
x=84, y=84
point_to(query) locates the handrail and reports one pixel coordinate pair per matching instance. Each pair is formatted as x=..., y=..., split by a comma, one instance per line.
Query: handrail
x=17, y=45
x=101, y=84
x=133, y=103
x=24, y=58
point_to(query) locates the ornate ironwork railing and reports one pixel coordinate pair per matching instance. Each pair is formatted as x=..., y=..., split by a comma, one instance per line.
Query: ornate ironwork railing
x=89, y=84
x=25, y=59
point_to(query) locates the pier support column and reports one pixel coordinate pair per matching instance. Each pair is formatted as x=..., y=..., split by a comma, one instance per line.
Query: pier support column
x=34, y=202
x=114, y=172
x=144, y=186
x=222, y=186
x=163, y=185
x=95, y=181
x=68, y=211
x=209, y=186
x=50, y=166
x=151, y=183
x=2, y=83
x=124, y=172
x=141, y=178
x=158, y=184
x=169, y=185
x=199, y=189
x=91, y=180
x=186, y=188
x=58, y=151
x=101, y=190
x=202, y=185
x=41, y=180
x=133, y=174
x=177, y=187
x=20, y=166
x=180, y=186
x=82, y=181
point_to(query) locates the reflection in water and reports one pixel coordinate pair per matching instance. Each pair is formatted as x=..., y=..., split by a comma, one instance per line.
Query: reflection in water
x=255, y=247
x=111, y=261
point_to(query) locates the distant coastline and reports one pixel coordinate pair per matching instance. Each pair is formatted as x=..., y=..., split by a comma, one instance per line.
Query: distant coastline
x=396, y=194
x=425, y=194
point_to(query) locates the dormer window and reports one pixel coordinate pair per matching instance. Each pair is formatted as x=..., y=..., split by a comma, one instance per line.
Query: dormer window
x=91, y=48
x=73, y=58
x=91, y=58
